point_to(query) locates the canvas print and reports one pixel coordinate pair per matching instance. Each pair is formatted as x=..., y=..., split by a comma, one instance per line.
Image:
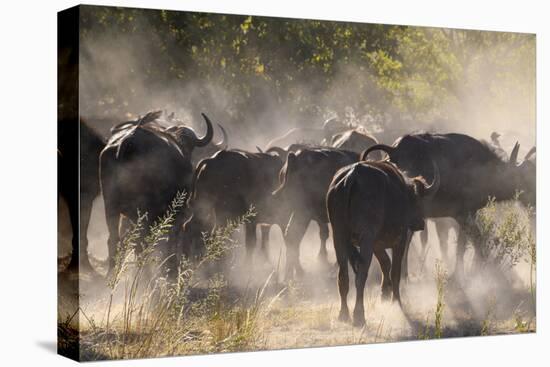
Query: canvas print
x=233, y=183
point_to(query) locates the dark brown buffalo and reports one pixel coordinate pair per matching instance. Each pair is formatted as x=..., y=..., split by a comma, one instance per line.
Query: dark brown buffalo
x=142, y=168
x=171, y=125
x=372, y=206
x=471, y=172
x=304, y=180
x=78, y=181
x=225, y=186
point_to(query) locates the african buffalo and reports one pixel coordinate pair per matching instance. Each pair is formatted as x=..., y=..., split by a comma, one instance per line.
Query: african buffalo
x=372, y=206
x=313, y=135
x=225, y=186
x=78, y=182
x=304, y=180
x=171, y=125
x=143, y=167
x=355, y=141
x=470, y=170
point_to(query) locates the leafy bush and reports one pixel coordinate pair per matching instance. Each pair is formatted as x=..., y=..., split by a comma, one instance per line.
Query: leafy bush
x=502, y=233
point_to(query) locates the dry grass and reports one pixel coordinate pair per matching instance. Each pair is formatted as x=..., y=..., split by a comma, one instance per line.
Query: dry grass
x=152, y=312
x=145, y=312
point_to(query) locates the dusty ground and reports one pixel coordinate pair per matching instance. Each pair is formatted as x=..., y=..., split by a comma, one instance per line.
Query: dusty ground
x=305, y=312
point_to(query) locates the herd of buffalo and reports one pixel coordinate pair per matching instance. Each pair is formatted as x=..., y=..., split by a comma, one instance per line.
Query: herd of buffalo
x=373, y=195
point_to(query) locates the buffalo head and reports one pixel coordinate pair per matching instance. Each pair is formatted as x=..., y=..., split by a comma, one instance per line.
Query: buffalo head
x=187, y=138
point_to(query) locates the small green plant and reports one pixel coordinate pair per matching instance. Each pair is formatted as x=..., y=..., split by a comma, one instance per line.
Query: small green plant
x=502, y=233
x=487, y=321
x=532, y=258
x=441, y=280
x=521, y=326
x=425, y=334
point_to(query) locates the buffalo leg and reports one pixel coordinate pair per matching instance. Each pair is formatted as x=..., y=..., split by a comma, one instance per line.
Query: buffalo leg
x=398, y=253
x=443, y=234
x=323, y=235
x=113, y=220
x=173, y=247
x=480, y=256
x=85, y=213
x=366, y=251
x=405, y=262
x=294, y=234
x=424, y=235
x=424, y=247
x=340, y=248
x=460, y=251
x=250, y=241
x=264, y=233
x=385, y=265
x=72, y=205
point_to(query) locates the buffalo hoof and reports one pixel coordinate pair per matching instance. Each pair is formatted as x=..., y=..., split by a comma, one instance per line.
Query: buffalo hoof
x=386, y=295
x=456, y=279
x=322, y=258
x=86, y=267
x=358, y=319
x=396, y=300
x=264, y=258
x=83, y=267
x=299, y=271
x=343, y=316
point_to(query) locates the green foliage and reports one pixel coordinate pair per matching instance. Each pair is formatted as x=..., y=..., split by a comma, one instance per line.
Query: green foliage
x=502, y=233
x=311, y=67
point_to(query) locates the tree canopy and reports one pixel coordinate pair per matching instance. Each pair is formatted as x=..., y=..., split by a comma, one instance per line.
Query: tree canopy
x=251, y=70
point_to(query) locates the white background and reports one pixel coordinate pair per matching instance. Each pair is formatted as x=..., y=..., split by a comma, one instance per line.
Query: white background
x=28, y=186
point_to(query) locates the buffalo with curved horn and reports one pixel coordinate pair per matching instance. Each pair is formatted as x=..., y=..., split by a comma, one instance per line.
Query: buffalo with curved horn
x=471, y=172
x=373, y=206
x=224, y=187
x=209, y=150
x=304, y=180
x=143, y=167
x=355, y=141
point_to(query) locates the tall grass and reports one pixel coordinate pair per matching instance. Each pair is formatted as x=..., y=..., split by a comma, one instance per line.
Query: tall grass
x=152, y=312
x=502, y=233
x=441, y=280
